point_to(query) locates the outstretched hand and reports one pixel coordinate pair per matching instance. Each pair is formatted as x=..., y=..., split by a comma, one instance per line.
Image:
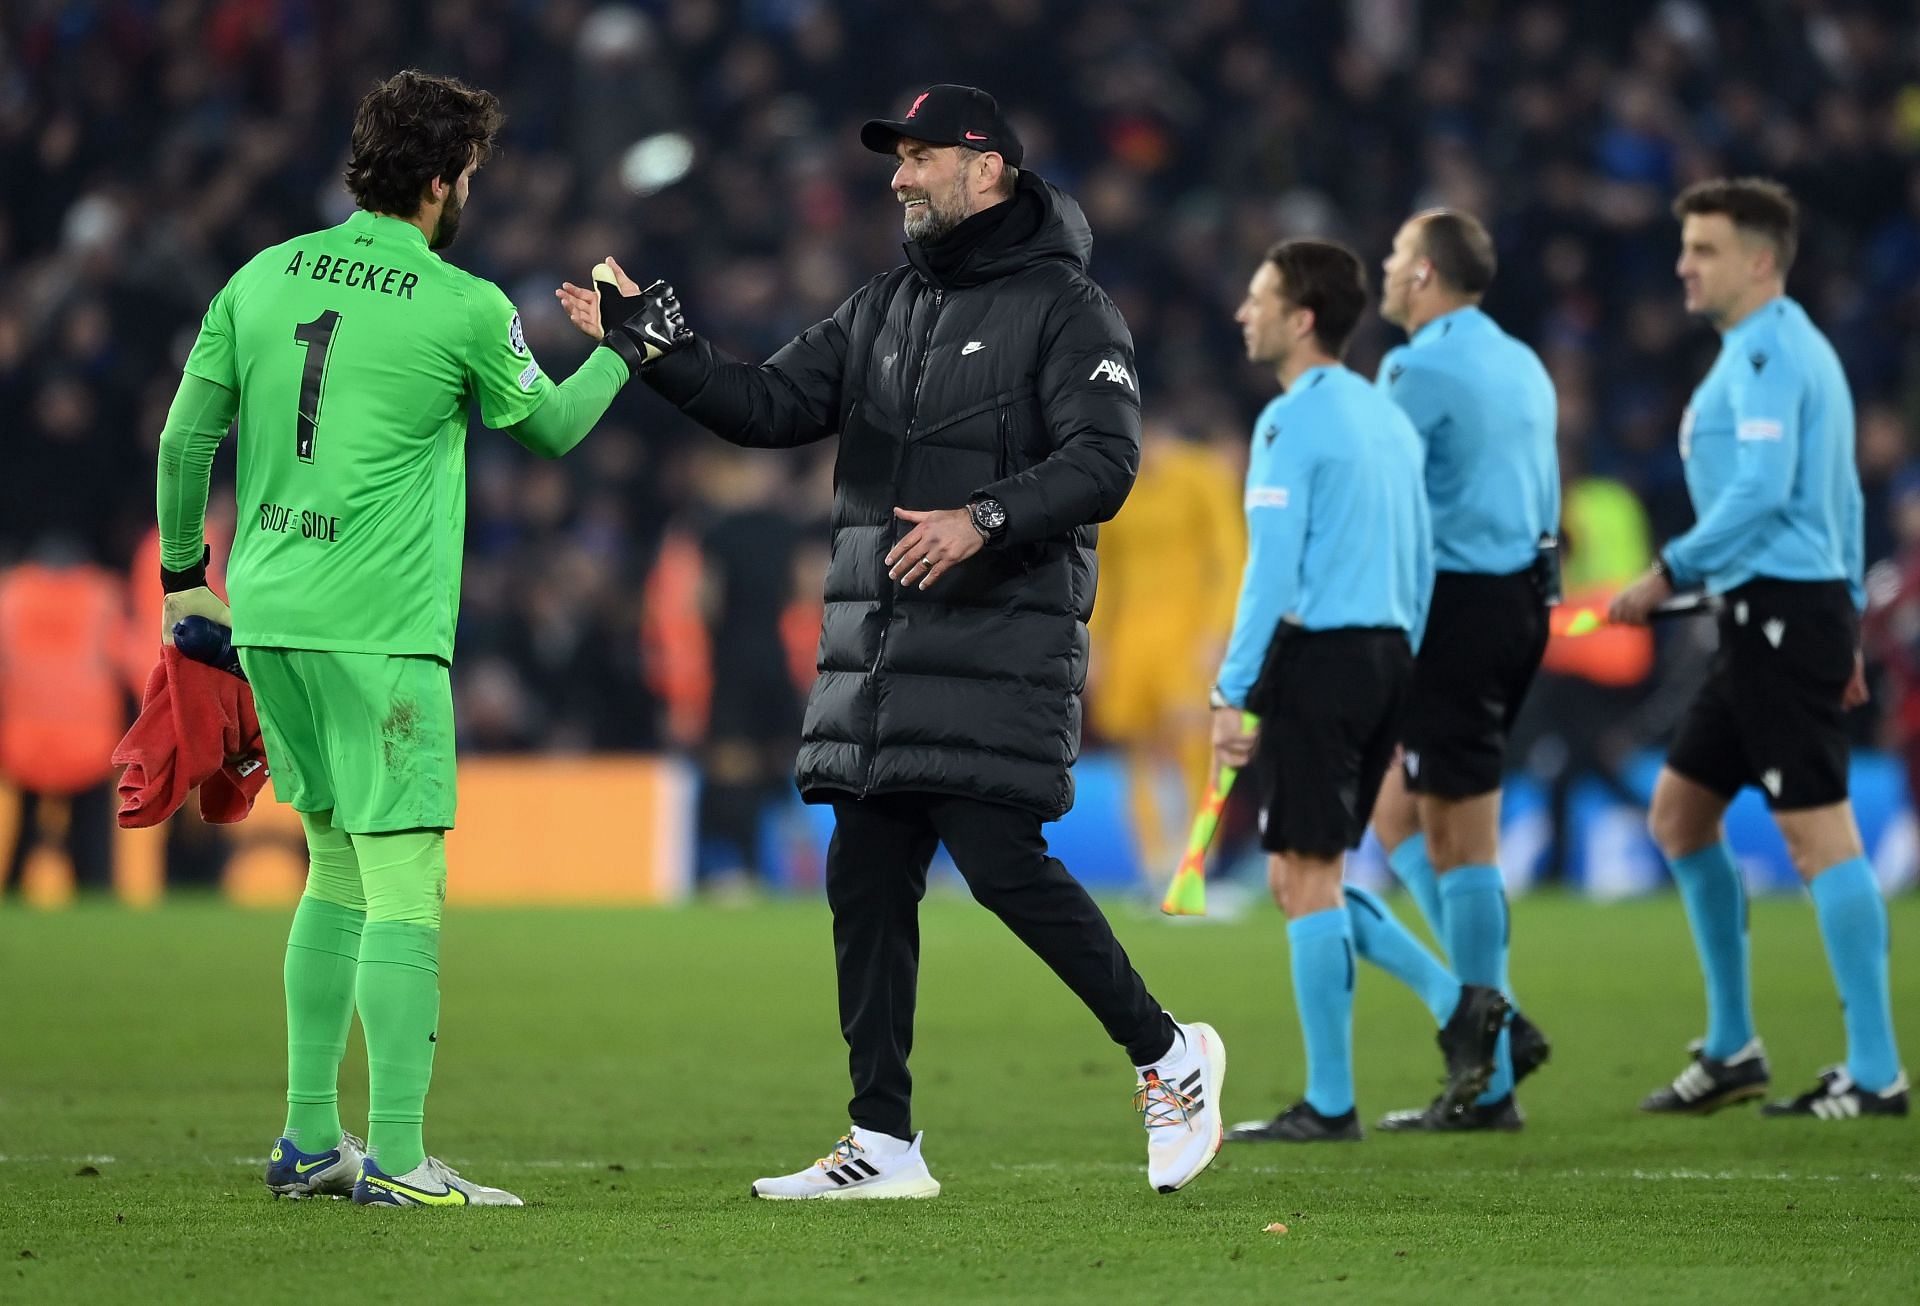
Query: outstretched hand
x=938, y=541
x=583, y=305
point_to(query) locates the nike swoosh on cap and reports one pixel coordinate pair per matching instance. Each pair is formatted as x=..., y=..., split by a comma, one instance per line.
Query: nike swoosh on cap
x=975, y=136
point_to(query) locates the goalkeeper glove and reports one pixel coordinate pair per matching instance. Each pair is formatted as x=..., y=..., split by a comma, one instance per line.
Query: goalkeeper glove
x=643, y=327
x=187, y=595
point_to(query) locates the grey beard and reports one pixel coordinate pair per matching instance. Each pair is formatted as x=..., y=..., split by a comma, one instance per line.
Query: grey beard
x=930, y=224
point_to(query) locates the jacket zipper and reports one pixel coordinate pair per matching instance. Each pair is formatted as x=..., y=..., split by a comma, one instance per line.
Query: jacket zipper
x=880, y=650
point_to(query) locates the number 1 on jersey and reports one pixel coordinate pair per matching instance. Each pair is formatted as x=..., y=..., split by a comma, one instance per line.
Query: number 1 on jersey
x=317, y=338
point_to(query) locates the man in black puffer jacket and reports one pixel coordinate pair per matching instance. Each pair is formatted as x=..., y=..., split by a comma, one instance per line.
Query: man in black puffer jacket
x=988, y=416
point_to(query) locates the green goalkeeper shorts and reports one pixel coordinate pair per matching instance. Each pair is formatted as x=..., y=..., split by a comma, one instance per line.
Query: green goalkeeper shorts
x=367, y=735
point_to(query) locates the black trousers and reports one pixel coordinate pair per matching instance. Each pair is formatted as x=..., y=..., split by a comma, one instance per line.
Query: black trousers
x=876, y=876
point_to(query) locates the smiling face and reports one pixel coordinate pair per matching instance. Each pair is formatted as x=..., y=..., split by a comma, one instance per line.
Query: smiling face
x=936, y=186
x=1269, y=324
x=1721, y=267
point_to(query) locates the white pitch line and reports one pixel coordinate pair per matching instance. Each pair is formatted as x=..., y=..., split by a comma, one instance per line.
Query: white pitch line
x=1656, y=1176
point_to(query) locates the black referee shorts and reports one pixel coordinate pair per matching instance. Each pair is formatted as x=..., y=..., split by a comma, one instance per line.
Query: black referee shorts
x=1484, y=641
x=1330, y=704
x=1769, y=713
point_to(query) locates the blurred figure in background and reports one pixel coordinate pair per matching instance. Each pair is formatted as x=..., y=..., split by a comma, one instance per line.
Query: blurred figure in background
x=1890, y=630
x=746, y=761
x=676, y=652
x=63, y=706
x=1169, y=566
x=1579, y=719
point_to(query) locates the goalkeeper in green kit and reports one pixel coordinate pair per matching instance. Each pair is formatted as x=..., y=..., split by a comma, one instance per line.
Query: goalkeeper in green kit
x=350, y=357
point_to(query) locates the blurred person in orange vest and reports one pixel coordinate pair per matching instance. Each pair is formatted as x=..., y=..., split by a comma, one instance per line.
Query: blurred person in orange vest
x=801, y=618
x=1583, y=717
x=1607, y=546
x=1169, y=578
x=63, y=706
x=676, y=656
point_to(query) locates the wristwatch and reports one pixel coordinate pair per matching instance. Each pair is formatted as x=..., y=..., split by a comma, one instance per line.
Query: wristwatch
x=989, y=518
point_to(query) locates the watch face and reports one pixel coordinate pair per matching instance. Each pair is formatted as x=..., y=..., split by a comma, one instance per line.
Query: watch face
x=990, y=514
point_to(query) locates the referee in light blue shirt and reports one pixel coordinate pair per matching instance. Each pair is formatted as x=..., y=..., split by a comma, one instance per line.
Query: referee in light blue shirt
x=1487, y=416
x=1333, y=597
x=1768, y=442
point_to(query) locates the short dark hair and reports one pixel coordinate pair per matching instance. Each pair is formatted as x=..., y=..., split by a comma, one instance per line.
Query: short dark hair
x=1757, y=205
x=1460, y=249
x=1329, y=279
x=412, y=128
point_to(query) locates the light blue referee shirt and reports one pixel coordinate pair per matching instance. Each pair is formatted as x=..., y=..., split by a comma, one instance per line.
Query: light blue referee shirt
x=1768, y=444
x=1337, y=530
x=1485, y=409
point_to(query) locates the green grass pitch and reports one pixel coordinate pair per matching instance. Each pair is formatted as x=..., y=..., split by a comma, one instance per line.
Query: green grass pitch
x=630, y=1073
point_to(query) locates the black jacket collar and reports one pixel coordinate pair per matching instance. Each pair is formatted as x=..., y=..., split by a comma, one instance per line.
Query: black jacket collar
x=1038, y=223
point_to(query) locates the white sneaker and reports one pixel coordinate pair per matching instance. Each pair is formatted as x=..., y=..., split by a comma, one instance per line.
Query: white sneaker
x=1179, y=1103
x=431, y=1183
x=862, y=1164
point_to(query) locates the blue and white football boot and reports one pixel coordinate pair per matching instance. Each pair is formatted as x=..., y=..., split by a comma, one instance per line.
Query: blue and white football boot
x=294, y=1173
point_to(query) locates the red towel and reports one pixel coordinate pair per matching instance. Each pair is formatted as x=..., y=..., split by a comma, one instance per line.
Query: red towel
x=197, y=730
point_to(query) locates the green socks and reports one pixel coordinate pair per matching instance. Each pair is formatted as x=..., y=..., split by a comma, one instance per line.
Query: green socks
x=389, y=967
x=399, y=999
x=322, y=950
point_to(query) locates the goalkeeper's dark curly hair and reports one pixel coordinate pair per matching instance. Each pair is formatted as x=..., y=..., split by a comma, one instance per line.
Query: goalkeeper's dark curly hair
x=412, y=128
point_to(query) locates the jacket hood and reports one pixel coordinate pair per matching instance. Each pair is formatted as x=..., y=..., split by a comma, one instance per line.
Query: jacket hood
x=1040, y=222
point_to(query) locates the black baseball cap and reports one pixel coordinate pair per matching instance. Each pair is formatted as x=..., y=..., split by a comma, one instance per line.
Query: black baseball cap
x=948, y=115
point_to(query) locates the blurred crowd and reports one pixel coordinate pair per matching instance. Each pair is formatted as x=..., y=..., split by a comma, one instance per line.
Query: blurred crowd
x=660, y=590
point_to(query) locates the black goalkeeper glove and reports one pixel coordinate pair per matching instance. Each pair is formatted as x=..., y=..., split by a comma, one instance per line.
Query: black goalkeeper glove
x=642, y=327
x=187, y=595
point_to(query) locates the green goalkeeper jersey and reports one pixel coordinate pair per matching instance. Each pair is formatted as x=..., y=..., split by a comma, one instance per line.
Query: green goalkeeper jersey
x=355, y=353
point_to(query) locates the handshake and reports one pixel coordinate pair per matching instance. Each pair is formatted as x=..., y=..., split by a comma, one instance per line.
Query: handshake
x=639, y=325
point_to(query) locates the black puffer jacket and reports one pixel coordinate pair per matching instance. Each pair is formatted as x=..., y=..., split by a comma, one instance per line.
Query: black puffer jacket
x=992, y=363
